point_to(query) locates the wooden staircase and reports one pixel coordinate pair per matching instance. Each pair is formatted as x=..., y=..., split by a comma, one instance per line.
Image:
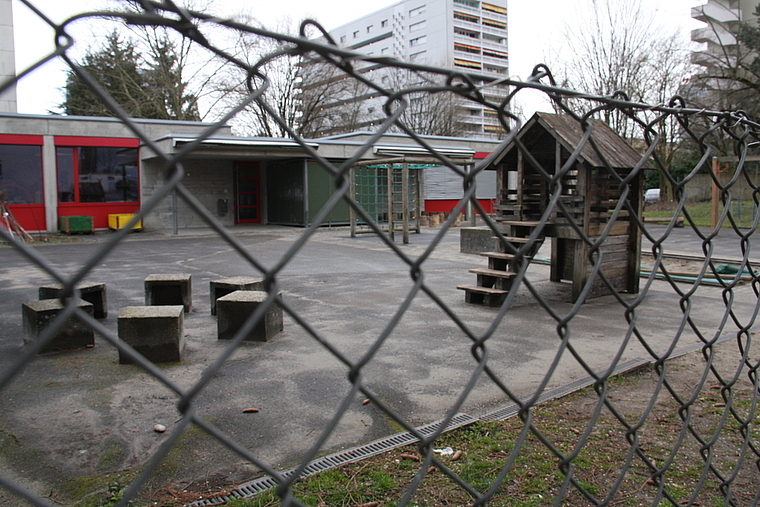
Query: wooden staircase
x=494, y=282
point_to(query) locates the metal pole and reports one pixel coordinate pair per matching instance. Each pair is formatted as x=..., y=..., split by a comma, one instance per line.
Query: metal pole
x=715, y=193
x=175, y=220
x=389, y=172
x=352, y=193
x=405, y=201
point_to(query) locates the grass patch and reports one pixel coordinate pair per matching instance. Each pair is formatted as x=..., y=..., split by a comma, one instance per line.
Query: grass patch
x=743, y=212
x=558, y=448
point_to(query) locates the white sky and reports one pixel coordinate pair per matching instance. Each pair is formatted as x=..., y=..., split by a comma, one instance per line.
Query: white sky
x=534, y=27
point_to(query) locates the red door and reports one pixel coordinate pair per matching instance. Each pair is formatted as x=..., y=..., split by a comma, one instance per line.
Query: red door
x=247, y=193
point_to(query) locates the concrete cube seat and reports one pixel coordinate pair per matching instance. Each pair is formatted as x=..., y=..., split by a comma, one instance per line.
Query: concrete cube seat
x=169, y=289
x=94, y=293
x=234, y=309
x=156, y=332
x=74, y=334
x=219, y=288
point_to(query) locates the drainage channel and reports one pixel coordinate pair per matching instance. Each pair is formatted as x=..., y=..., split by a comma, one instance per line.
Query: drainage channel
x=339, y=458
x=359, y=453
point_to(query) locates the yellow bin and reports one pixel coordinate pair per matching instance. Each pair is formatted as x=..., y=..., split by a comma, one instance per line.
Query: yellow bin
x=120, y=221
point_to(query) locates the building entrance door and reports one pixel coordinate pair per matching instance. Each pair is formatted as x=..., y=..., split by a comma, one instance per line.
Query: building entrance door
x=247, y=193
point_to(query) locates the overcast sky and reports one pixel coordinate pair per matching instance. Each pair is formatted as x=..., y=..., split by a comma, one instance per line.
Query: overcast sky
x=534, y=27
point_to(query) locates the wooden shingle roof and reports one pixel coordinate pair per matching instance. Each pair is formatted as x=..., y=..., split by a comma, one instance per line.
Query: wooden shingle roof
x=568, y=132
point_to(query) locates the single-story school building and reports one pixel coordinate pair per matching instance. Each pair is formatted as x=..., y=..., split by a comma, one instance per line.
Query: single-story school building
x=63, y=166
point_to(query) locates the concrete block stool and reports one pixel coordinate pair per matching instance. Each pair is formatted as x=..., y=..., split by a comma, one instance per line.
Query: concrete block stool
x=156, y=332
x=95, y=293
x=234, y=309
x=175, y=289
x=219, y=288
x=74, y=334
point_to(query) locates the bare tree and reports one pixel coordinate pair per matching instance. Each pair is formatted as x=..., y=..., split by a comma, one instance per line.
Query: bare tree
x=430, y=110
x=620, y=47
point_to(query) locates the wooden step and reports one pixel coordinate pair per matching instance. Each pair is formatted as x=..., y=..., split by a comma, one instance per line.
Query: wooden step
x=522, y=223
x=484, y=296
x=493, y=272
x=498, y=255
x=482, y=290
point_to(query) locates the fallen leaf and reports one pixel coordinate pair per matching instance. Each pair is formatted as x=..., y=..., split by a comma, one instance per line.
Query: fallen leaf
x=410, y=456
x=365, y=401
x=250, y=410
x=457, y=455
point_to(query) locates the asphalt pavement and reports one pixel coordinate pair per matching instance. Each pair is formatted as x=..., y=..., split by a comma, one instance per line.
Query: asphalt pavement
x=83, y=415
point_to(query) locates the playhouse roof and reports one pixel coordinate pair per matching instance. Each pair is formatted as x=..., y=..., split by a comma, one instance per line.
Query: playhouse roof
x=568, y=132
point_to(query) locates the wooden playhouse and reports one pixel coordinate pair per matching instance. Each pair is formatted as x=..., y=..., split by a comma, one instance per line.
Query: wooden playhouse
x=537, y=178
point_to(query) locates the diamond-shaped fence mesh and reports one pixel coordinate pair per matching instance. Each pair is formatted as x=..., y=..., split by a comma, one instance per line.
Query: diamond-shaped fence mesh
x=381, y=338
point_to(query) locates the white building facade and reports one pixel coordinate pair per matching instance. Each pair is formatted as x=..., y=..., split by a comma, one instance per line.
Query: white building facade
x=7, y=57
x=721, y=49
x=467, y=35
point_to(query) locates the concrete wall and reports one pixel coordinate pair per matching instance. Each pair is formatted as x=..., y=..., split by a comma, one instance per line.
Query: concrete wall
x=7, y=57
x=207, y=180
x=700, y=187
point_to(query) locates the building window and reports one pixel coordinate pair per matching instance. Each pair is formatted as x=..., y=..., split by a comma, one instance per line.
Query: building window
x=97, y=174
x=467, y=49
x=417, y=26
x=466, y=17
x=416, y=11
x=494, y=23
x=494, y=8
x=495, y=69
x=494, y=54
x=458, y=62
x=343, y=39
x=370, y=28
x=498, y=39
x=467, y=33
x=384, y=23
x=417, y=41
x=469, y=3
x=21, y=173
x=415, y=56
x=384, y=51
x=356, y=34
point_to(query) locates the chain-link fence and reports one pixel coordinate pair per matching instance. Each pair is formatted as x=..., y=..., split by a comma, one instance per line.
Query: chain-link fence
x=568, y=182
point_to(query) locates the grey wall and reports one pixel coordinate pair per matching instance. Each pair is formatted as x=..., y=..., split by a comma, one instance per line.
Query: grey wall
x=207, y=180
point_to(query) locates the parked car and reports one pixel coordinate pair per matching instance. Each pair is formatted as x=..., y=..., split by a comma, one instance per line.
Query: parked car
x=651, y=196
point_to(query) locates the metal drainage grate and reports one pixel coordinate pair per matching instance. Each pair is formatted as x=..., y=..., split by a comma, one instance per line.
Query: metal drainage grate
x=335, y=460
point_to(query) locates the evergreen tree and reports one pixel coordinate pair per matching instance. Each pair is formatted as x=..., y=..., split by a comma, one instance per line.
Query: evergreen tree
x=144, y=89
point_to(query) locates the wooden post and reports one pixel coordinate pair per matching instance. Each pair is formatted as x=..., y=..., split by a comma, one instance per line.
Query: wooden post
x=715, y=193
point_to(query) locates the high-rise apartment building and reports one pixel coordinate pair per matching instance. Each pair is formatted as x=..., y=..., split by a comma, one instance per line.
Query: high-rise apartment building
x=468, y=35
x=721, y=50
x=7, y=57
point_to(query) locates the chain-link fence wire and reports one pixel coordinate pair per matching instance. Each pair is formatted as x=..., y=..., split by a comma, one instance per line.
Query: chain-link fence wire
x=727, y=454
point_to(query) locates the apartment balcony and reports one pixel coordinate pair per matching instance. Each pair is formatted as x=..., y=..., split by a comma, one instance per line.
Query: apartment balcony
x=709, y=60
x=715, y=12
x=714, y=35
